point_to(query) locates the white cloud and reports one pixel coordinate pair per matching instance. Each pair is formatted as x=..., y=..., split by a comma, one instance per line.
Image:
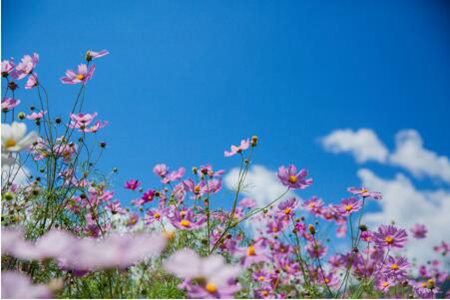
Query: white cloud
x=406, y=205
x=261, y=184
x=411, y=155
x=363, y=144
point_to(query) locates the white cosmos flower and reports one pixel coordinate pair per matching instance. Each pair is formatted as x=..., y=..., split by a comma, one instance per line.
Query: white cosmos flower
x=14, y=138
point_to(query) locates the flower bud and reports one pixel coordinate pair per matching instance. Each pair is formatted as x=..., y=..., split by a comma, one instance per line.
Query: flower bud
x=12, y=86
x=102, y=144
x=194, y=170
x=21, y=115
x=254, y=141
x=363, y=228
x=311, y=229
x=8, y=196
x=58, y=120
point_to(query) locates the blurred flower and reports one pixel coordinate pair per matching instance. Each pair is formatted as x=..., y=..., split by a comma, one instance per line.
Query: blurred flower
x=238, y=149
x=160, y=170
x=316, y=249
x=132, y=184
x=247, y=203
x=82, y=76
x=291, y=178
x=26, y=66
x=7, y=67
x=16, y=285
x=35, y=115
x=174, y=176
x=14, y=138
x=419, y=231
x=208, y=277
x=384, y=283
x=32, y=81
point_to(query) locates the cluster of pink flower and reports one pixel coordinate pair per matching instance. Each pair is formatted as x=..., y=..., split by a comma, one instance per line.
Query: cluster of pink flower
x=278, y=250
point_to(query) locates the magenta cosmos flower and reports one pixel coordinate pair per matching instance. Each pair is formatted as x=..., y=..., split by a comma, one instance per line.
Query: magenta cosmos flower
x=208, y=277
x=419, y=231
x=26, y=66
x=238, y=149
x=90, y=55
x=291, y=178
x=349, y=206
x=82, y=76
x=363, y=192
x=132, y=184
x=9, y=103
x=390, y=236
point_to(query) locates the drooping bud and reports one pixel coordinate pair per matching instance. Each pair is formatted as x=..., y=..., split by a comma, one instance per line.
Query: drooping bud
x=254, y=141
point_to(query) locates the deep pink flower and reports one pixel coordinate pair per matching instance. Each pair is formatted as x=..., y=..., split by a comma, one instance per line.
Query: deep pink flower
x=349, y=206
x=26, y=66
x=419, y=231
x=132, y=184
x=291, y=178
x=36, y=116
x=238, y=149
x=9, y=103
x=160, y=170
x=32, y=81
x=90, y=55
x=363, y=192
x=82, y=76
x=148, y=196
x=391, y=237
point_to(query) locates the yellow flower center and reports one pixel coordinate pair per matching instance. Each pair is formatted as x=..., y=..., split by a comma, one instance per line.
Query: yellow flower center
x=312, y=204
x=156, y=215
x=197, y=189
x=251, y=251
x=211, y=287
x=185, y=223
x=326, y=280
x=287, y=211
x=265, y=293
x=182, y=213
x=394, y=267
x=348, y=207
x=274, y=229
x=261, y=278
x=385, y=284
x=363, y=190
x=292, y=179
x=169, y=234
x=80, y=76
x=424, y=284
x=10, y=143
x=389, y=239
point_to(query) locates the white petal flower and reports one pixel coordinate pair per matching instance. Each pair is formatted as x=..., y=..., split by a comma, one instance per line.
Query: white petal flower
x=14, y=138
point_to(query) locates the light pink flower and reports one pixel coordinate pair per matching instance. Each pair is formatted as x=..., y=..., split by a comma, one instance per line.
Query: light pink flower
x=7, y=67
x=82, y=76
x=363, y=192
x=9, y=103
x=238, y=149
x=160, y=170
x=36, y=116
x=90, y=55
x=419, y=231
x=26, y=66
x=291, y=178
x=32, y=81
x=17, y=285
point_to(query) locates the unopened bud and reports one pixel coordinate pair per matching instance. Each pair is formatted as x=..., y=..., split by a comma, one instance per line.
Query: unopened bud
x=8, y=196
x=363, y=228
x=21, y=115
x=254, y=141
x=102, y=144
x=311, y=229
x=194, y=170
x=58, y=120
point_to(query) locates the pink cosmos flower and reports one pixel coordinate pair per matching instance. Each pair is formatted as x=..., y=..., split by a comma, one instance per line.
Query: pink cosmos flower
x=419, y=231
x=349, y=206
x=186, y=219
x=115, y=208
x=153, y=215
x=384, y=283
x=208, y=277
x=316, y=249
x=254, y=254
x=391, y=237
x=132, y=184
x=314, y=205
x=174, y=176
x=82, y=76
x=396, y=267
x=36, y=116
x=286, y=209
x=247, y=203
x=291, y=178
x=7, y=67
x=208, y=170
x=32, y=81
x=134, y=218
x=9, y=103
x=81, y=120
x=274, y=227
x=238, y=149
x=26, y=66
x=444, y=248
x=98, y=125
x=425, y=289
x=90, y=55
x=16, y=285
x=363, y=192
x=367, y=236
x=148, y=196
x=160, y=170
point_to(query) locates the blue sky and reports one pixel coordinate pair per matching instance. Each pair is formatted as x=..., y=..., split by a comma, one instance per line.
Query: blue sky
x=185, y=79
